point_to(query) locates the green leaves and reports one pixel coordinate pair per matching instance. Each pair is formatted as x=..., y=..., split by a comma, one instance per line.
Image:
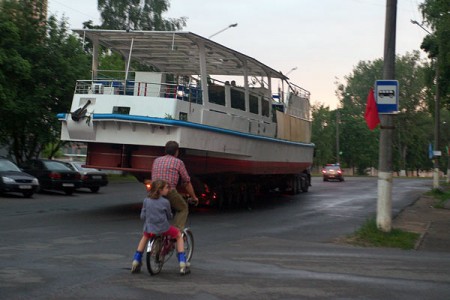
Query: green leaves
x=39, y=64
x=436, y=14
x=346, y=126
x=137, y=15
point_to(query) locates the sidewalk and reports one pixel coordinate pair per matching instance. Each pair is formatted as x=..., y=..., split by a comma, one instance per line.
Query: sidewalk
x=433, y=224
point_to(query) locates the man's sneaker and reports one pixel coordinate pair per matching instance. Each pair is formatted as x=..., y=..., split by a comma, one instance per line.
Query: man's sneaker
x=136, y=266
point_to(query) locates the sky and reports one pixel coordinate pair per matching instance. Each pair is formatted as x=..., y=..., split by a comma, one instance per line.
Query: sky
x=322, y=39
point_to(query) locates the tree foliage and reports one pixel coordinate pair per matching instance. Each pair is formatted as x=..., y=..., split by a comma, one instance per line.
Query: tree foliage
x=137, y=15
x=359, y=145
x=323, y=133
x=39, y=63
x=436, y=14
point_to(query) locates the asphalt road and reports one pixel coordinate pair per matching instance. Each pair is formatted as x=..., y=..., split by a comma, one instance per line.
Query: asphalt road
x=80, y=247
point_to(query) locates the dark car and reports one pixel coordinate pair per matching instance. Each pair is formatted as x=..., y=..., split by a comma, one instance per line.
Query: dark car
x=53, y=175
x=92, y=179
x=13, y=180
x=332, y=172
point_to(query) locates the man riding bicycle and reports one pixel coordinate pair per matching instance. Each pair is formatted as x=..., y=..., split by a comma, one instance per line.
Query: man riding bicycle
x=171, y=169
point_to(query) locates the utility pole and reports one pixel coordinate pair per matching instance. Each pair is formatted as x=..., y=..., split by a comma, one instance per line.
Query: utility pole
x=384, y=204
x=338, y=160
x=437, y=120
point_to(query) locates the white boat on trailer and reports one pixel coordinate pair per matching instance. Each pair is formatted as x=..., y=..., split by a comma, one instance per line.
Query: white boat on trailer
x=235, y=140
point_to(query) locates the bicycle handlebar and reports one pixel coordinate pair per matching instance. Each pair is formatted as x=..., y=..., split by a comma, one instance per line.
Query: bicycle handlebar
x=192, y=201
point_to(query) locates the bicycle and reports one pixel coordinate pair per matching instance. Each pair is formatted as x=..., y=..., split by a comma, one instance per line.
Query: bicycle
x=160, y=249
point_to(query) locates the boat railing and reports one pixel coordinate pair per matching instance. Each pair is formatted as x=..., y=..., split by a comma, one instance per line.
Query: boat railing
x=299, y=91
x=137, y=88
x=259, y=98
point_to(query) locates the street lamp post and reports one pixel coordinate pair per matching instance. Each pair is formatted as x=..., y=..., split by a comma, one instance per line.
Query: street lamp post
x=436, y=117
x=289, y=72
x=220, y=31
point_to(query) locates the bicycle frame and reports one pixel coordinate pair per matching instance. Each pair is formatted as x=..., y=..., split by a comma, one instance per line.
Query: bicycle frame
x=161, y=247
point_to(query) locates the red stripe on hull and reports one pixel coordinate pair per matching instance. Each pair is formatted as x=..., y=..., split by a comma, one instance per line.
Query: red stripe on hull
x=214, y=165
x=140, y=159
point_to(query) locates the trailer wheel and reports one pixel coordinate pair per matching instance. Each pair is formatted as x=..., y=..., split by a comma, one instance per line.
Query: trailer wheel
x=250, y=196
x=298, y=184
x=242, y=196
x=220, y=199
x=304, y=183
x=293, y=187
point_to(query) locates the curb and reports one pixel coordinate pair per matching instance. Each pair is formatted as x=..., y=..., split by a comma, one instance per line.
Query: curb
x=422, y=237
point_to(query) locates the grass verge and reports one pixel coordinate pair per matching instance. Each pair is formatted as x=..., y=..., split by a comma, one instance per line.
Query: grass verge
x=442, y=196
x=370, y=236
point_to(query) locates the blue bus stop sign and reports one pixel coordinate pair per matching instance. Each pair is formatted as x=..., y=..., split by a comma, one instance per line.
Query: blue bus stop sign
x=386, y=96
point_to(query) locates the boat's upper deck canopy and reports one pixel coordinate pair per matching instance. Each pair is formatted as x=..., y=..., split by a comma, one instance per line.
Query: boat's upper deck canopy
x=179, y=52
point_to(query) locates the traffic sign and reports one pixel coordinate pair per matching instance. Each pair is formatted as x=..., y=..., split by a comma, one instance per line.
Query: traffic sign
x=386, y=96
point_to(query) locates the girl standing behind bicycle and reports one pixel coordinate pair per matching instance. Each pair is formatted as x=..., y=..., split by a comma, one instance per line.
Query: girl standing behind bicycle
x=156, y=212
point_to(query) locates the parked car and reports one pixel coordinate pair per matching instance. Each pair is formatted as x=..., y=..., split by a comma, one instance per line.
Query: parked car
x=13, y=180
x=92, y=179
x=332, y=171
x=53, y=175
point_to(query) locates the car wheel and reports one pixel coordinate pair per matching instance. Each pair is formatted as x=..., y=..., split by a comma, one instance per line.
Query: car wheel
x=28, y=194
x=95, y=189
x=69, y=191
x=324, y=179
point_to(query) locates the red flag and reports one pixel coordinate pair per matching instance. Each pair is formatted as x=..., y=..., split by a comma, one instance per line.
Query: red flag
x=371, y=113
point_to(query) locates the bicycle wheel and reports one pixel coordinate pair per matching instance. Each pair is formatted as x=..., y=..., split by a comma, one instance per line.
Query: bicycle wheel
x=188, y=238
x=154, y=260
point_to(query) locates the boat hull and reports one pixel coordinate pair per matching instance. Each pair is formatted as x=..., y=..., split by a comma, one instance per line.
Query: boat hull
x=136, y=141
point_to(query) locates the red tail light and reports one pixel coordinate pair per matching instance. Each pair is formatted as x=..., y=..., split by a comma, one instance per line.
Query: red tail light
x=54, y=175
x=148, y=184
x=84, y=177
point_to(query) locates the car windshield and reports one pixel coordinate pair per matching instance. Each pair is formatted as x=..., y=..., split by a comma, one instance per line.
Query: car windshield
x=6, y=165
x=56, y=165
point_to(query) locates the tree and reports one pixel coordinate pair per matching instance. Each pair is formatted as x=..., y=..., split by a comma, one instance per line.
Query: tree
x=323, y=134
x=39, y=62
x=437, y=15
x=137, y=15
x=360, y=145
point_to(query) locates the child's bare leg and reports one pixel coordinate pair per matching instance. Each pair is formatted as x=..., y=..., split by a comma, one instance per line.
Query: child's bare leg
x=180, y=243
x=184, y=264
x=142, y=243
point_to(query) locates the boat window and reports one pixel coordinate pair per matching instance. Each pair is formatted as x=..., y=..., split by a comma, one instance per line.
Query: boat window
x=216, y=94
x=265, y=107
x=195, y=95
x=253, y=104
x=121, y=110
x=183, y=116
x=237, y=99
